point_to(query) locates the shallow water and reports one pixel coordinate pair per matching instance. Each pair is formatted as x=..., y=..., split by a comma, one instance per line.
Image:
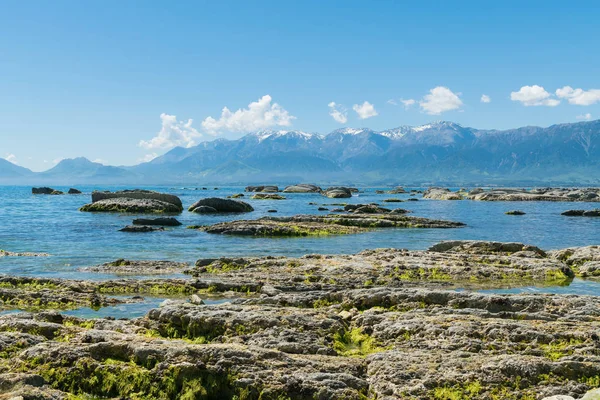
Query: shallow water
x=75, y=239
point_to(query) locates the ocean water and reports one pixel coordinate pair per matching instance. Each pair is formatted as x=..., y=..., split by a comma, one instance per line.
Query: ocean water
x=53, y=224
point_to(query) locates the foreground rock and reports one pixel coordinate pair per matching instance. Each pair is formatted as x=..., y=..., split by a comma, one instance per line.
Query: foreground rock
x=45, y=190
x=441, y=194
x=379, y=324
x=302, y=188
x=139, y=194
x=262, y=189
x=321, y=225
x=220, y=206
x=128, y=205
x=138, y=267
x=546, y=194
x=162, y=221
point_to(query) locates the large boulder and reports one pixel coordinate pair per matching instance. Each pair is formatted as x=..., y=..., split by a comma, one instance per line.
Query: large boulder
x=338, y=192
x=222, y=205
x=302, y=188
x=138, y=194
x=441, y=194
x=45, y=190
x=131, y=206
x=263, y=189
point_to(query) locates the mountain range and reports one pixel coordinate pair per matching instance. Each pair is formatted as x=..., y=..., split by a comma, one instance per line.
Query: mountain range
x=437, y=153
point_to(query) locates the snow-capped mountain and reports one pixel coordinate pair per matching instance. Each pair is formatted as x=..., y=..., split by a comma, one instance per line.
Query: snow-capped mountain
x=442, y=152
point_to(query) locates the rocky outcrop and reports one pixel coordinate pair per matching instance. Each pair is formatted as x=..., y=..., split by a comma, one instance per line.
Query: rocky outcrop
x=141, y=228
x=546, y=194
x=267, y=196
x=485, y=247
x=338, y=192
x=515, y=212
x=129, y=205
x=138, y=267
x=263, y=189
x=74, y=191
x=441, y=194
x=161, y=221
x=45, y=190
x=582, y=213
x=302, y=188
x=398, y=190
x=220, y=206
x=138, y=194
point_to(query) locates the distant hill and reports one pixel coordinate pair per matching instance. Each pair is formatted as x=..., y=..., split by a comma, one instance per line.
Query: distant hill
x=437, y=153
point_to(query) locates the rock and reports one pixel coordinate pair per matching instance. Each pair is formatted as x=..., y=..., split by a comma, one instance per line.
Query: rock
x=592, y=395
x=128, y=205
x=139, y=194
x=592, y=213
x=263, y=189
x=398, y=190
x=484, y=247
x=161, y=221
x=379, y=192
x=559, y=397
x=412, y=199
x=45, y=190
x=222, y=205
x=195, y=299
x=400, y=211
x=589, y=269
x=441, y=194
x=236, y=196
x=545, y=194
x=515, y=212
x=205, y=210
x=576, y=256
x=573, y=213
x=338, y=210
x=323, y=209
x=393, y=201
x=74, y=191
x=320, y=225
x=4, y=253
x=141, y=228
x=271, y=211
x=338, y=192
x=267, y=196
x=302, y=188
x=137, y=267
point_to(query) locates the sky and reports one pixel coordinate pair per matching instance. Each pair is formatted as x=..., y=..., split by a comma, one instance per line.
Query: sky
x=120, y=82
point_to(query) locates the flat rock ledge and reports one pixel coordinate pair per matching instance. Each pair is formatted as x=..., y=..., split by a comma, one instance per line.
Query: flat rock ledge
x=129, y=205
x=138, y=267
x=344, y=327
x=315, y=225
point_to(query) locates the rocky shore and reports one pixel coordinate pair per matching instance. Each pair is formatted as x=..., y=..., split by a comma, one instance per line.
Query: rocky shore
x=379, y=324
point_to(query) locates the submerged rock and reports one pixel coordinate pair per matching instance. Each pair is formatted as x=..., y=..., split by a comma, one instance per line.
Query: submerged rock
x=162, y=221
x=267, y=196
x=221, y=205
x=128, y=205
x=515, y=212
x=141, y=228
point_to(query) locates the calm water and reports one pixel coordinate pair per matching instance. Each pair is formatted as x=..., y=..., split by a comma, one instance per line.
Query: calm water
x=75, y=239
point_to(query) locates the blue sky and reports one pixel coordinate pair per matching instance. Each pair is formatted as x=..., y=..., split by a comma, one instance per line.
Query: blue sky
x=118, y=81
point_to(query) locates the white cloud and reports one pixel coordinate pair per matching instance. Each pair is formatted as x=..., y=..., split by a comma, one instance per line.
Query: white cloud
x=172, y=133
x=440, y=99
x=579, y=96
x=408, y=103
x=584, y=117
x=338, y=112
x=365, y=110
x=260, y=114
x=147, y=157
x=534, y=96
x=392, y=102
x=11, y=158
x=100, y=161
x=485, y=98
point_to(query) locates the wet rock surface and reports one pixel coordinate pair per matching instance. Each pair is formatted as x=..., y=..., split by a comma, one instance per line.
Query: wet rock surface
x=138, y=267
x=162, y=221
x=220, y=205
x=141, y=228
x=379, y=324
x=129, y=205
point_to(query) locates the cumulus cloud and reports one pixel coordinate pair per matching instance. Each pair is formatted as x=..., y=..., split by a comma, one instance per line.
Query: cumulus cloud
x=440, y=99
x=147, y=157
x=579, y=96
x=260, y=114
x=485, y=98
x=365, y=110
x=408, y=103
x=11, y=158
x=172, y=133
x=338, y=112
x=534, y=96
x=584, y=117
